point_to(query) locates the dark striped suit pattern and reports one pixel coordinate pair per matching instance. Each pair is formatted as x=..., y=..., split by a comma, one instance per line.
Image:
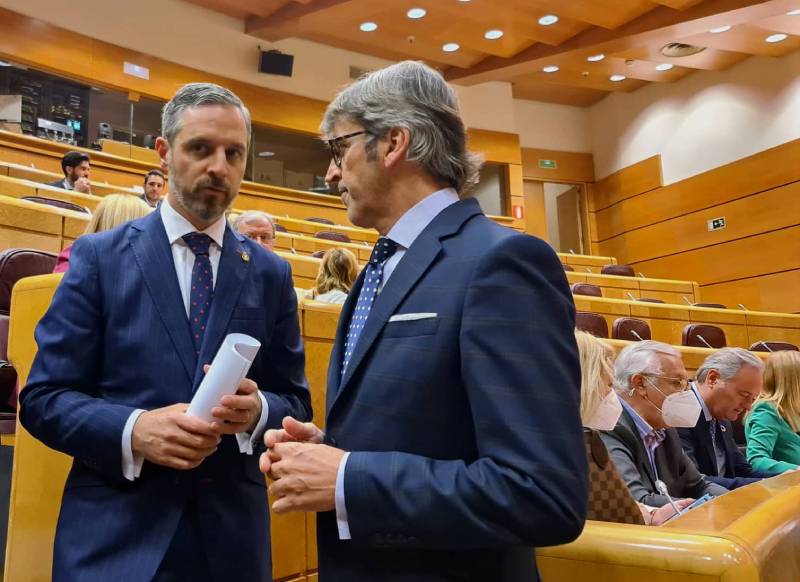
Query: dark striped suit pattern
x=464, y=428
x=117, y=338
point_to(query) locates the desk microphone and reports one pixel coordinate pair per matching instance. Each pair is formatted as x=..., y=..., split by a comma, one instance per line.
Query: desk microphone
x=702, y=339
x=662, y=488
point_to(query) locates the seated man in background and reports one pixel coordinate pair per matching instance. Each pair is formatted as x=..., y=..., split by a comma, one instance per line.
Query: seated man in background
x=154, y=183
x=650, y=379
x=75, y=166
x=727, y=384
x=258, y=226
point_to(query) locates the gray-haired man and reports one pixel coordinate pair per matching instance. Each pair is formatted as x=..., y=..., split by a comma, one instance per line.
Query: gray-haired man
x=257, y=226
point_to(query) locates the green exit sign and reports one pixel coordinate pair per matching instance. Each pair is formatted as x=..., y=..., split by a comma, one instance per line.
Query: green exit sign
x=548, y=164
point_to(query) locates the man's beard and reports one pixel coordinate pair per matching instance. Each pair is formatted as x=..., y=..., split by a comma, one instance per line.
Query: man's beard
x=205, y=209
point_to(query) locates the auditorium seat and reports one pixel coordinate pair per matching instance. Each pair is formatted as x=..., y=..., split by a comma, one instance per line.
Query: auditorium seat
x=702, y=335
x=280, y=228
x=650, y=300
x=587, y=289
x=568, y=267
x=318, y=254
x=321, y=220
x=631, y=329
x=771, y=346
x=58, y=203
x=711, y=305
x=592, y=323
x=620, y=270
x=330, y=235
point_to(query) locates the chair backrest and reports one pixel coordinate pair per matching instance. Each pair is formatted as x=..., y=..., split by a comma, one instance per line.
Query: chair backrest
x=591, y=322
x=318, y=254
x=587, y=289
x=770, y=346
x=703, y=335
x=650, y=300
x=630, y=329
x=280, y=228
x=320, y=220
x=330, y=235
x=621, y=270
x=18, y=263
x=65, y=204
x=713, y=305
x=568, y=267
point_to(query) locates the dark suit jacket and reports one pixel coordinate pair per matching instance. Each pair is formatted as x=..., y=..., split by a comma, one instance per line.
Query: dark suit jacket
x=56, y=184
x=464, y=427
x=117, y=338
x=674, y=467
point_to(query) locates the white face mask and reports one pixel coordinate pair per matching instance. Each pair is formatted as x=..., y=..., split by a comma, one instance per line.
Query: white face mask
x=680, y=409
x=607, y=413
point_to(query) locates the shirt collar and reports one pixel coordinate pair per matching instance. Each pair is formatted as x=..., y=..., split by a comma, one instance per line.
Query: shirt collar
x=177, y=226
x=67, y=185
x=406, y=230
x=642, y=425
x=706, y=411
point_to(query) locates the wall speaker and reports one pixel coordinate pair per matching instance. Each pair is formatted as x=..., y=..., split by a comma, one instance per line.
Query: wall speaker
x=276, y=63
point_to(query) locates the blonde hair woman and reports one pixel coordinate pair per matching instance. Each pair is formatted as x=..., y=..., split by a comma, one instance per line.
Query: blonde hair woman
x=773, y=424
x=335, y=278
x=111, y=212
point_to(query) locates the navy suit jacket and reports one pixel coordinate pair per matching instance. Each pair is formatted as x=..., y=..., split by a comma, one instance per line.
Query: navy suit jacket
x=464, y=428
x=116, y=338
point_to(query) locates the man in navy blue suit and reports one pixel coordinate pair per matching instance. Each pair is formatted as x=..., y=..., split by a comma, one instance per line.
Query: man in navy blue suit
x=154, y=494
x=453, y=444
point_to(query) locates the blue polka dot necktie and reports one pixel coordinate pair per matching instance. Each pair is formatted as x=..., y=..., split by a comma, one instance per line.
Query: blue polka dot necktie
x=384, y=248
x=202, y=292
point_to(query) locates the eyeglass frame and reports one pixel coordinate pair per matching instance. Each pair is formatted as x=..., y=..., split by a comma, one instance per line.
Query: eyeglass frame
x=337, y=152
x=683, y=382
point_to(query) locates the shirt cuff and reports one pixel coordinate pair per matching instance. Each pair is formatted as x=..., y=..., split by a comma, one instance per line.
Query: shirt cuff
x=341, y=509
x=247, y=440
x=131, y=462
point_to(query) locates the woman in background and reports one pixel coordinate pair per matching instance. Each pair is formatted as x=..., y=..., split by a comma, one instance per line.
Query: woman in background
x=335, y=278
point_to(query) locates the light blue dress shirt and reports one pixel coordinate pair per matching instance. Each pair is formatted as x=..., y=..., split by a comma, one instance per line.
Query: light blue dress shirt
x=651, y=437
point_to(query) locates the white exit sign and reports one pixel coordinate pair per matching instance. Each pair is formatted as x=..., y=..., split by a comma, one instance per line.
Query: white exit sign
x=716, y=223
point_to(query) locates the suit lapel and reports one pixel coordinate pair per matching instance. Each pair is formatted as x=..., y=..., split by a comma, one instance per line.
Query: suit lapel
x=153, y=255
x=335, y=363
x=704, y=428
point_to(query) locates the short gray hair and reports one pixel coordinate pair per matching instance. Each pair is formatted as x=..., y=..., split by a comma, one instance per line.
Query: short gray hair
x=252, y=215
x=198, y=95
x=639, y=358
x=413, y=96
x=728, y=362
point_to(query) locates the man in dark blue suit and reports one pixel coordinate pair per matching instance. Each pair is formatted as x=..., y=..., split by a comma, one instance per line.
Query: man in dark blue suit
x=728, y=383
x=154, y=494
x=453, y=444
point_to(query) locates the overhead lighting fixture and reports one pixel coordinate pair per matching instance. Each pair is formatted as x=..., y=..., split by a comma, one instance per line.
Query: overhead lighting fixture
x=368, y=27
x=720, y=29
x=795, y=12
x=664, y=67
x=493, y=34
x=617, y=78
x=416, y=13
x=550, y=69
x=595, y=58
x=265, y=154
x=772, y=38
x=548, y=19
x=450, y=47
x=5, y=64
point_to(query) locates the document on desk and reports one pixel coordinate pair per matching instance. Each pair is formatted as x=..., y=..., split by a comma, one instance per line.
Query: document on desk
x=229, y=367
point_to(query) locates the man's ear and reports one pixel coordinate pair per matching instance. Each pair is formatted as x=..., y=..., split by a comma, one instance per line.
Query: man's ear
x=712, y=377
x=162, y=147
x=399, y=141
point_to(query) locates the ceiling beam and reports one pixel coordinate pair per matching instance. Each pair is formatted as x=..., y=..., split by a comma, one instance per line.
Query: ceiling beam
x=283, y=22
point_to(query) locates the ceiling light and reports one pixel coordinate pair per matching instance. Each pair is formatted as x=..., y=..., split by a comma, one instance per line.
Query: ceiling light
x=493, y=34
x=416, y=13
x=776, y=37
x=617, y=78
x=5, y=64
x=368, y=27
x=664, y=67
x=265, y=154
x=595, y=58
x=548, y=19
x=450, y=47
x=795, y=12
x=550, y=69
x=720, y=29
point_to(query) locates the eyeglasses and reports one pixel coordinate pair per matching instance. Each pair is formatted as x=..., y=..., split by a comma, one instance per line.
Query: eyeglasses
x=681, y=383
x=339, y=144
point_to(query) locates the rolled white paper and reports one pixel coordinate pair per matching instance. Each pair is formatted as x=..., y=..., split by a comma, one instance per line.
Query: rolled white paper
x=229, y=367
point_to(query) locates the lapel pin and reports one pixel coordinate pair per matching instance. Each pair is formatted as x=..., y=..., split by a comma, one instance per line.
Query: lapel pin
x=244, y=255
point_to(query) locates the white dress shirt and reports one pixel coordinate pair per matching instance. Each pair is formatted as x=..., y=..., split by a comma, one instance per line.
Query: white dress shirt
x=176, y=226
x=404, y=232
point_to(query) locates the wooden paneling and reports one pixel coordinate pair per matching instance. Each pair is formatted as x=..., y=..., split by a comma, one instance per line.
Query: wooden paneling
x=535, y=215
x=781, y=289
x=496, y=146
x=570, y=166
x=516, y=195
x=640, y=177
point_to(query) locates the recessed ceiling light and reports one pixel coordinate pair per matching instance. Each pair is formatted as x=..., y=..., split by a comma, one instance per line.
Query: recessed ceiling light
x=720, y=29
x=776, y=37
x=550, y=69
x=416, y=13
x=493, y=34
x=450, y=47
x=368, y=27
x=265, y=154
x=548, y=19
x=595, y=58
x=617, y=78
x=795, y=12
x=664, y=67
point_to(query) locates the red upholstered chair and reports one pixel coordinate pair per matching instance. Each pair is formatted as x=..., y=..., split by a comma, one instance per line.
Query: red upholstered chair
x=702, y=335
x=330, y=235
x=591, y=322
x=650, y=300
x=631, y=329
x=568, y=267
x=280, y=228
x=768, y=346
x=712, y=305
x=317, y=254
x=621, y=270
x=58, y=203
x=320, y=220
x=586, y=289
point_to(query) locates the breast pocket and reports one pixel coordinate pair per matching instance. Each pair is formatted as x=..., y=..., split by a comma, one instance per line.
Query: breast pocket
x=411, y=328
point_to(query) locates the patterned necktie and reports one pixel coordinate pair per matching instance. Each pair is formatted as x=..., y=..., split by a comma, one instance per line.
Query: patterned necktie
x=712, y=428
x=384, y=248
x=202, y=292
